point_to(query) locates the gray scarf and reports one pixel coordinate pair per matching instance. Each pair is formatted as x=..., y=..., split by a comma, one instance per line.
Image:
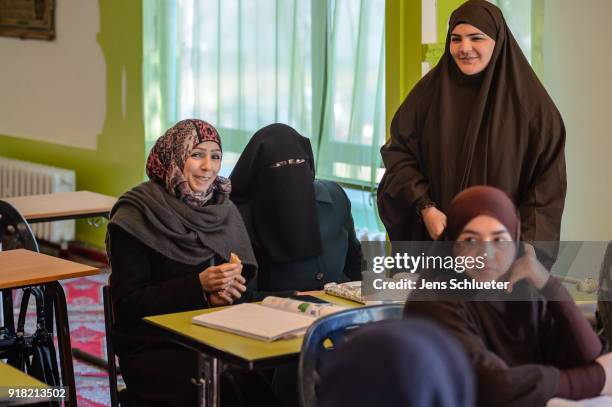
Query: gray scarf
x=184, y=233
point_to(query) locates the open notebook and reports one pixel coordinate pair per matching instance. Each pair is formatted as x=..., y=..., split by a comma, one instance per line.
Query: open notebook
x=273, y=319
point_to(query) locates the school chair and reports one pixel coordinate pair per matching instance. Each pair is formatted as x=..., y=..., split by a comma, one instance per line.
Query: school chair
x=15, y=233
x=119, y=397
x=329, y=332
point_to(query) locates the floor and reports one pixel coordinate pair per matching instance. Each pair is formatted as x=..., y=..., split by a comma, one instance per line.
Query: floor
x=86, y=315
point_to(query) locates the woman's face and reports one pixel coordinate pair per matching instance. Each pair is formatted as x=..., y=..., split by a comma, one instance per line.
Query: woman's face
x=202, y=166
x=486, y=236
x=471, y=48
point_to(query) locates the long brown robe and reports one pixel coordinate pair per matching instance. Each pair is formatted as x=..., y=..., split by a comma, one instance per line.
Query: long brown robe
x=497, y=128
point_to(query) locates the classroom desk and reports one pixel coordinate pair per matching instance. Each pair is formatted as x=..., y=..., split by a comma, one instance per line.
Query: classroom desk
x=62, y=206
x=14, y=378
x=216, y=347
x=22, y=268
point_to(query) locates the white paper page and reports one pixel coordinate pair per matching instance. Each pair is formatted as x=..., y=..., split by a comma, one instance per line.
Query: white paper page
x=255, y=321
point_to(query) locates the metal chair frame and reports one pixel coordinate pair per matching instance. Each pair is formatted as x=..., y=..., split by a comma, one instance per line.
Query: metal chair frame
x=334, y=328
x=16, y=226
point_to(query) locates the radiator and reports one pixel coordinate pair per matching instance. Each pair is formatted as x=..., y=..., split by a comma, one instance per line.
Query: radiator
x=22, y=178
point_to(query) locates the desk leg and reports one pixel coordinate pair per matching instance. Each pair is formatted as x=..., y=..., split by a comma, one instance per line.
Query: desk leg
x=209, y=369
x=7, y=310
x=63, y=340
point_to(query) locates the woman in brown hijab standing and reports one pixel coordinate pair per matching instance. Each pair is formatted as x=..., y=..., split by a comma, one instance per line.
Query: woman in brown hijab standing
x=480, y=117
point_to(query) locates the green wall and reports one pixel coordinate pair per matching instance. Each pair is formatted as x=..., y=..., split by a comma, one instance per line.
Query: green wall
x=404, y=49
x=402, y=53
x=117, y=163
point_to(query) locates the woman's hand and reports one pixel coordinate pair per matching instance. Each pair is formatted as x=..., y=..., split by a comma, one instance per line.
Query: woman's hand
x=435, y=221
x=605, y=361
x=216, y=278
x=234, y=289
x=231, y=293
x=219, y=300
x=529, y=267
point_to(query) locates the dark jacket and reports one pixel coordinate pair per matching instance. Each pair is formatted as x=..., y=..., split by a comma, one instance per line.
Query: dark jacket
x=145, y=282
x=341, y=257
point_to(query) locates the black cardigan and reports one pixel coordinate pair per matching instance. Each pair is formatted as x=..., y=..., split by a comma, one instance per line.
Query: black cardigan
x=145, y=282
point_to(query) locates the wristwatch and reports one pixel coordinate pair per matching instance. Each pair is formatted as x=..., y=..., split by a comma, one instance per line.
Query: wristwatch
x=423, y=203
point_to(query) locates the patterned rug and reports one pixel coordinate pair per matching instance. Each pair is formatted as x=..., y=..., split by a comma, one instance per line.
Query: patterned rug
x=86, y=319
x=86, y=316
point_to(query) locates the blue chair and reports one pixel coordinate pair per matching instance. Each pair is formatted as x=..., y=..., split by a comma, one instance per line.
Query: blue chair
x=328, y=333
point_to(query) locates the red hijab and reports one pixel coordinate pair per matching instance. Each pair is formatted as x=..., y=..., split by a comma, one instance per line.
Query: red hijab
x=167, y=160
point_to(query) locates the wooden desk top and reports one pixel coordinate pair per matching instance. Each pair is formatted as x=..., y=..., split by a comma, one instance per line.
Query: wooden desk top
x=62, y=205
x=23, y=267
x=241, y=347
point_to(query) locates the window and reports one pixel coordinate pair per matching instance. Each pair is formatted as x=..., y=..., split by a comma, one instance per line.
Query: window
x=242, y=64
x=518, y=15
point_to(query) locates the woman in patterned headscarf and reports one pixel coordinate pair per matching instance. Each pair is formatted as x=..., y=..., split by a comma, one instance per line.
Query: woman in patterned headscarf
x=170, y=243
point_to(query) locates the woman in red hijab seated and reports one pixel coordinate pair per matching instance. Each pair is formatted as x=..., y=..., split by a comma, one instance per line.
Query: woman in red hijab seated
x=524, y=352
x=170, y=242
x=479, y=117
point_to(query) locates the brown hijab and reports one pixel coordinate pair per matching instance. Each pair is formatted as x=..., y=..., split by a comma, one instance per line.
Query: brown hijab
x=497, y=128
x=477, y=201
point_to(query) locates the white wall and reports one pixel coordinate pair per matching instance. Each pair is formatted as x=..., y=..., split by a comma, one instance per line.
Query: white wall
x=55, y=91
x=578, y=76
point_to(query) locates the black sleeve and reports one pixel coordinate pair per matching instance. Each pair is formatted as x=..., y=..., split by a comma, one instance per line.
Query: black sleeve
x=133, y=291
x=253, y=294
x=354, y=254
x=404, y=184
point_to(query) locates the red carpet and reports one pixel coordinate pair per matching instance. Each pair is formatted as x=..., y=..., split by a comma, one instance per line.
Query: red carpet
x=86, y=314
x=86, y=318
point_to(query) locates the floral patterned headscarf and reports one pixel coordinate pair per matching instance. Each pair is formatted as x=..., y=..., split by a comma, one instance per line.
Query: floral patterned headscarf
x=167, y=160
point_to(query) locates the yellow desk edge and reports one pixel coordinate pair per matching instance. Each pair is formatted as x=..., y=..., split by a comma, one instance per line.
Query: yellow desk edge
x=241, y=346
x=14, y=378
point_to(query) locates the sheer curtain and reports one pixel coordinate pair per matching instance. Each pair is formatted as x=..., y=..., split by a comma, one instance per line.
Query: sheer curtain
x=316, y=65
x=353, y=119
x=518, y=15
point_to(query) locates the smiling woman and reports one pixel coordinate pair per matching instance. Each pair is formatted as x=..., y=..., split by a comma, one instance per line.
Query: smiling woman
x=174, y=243
x=481, y=116
x=202, y=166
x=471, y=48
